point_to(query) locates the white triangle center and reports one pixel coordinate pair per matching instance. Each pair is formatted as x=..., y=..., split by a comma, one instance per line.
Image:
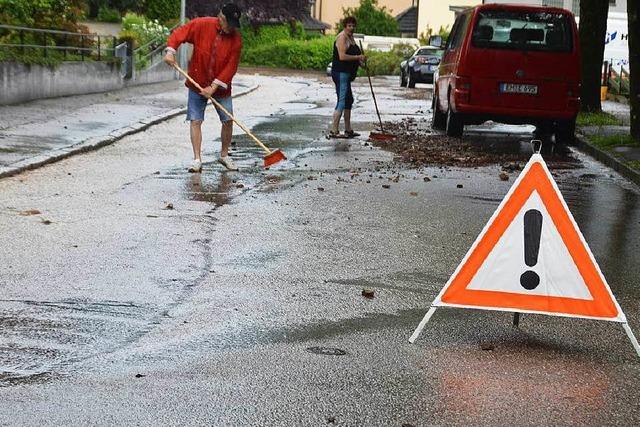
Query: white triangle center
x=501, y=270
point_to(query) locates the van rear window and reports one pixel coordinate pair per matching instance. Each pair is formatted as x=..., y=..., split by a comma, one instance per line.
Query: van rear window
x=521, y=30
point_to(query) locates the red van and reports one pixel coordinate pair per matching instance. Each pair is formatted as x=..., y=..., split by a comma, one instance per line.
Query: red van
x=510, y=64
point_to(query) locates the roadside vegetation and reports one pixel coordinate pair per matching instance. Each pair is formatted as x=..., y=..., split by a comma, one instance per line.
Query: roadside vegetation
x=597, y=119
x=607, y=142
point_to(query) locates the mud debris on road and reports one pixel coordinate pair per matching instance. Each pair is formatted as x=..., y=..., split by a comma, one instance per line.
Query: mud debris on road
x=418, y=145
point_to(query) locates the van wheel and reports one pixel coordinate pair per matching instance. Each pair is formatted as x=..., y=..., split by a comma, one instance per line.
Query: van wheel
x=412, y=80
x=438, y=118
x=454, y=124
x=566, y=132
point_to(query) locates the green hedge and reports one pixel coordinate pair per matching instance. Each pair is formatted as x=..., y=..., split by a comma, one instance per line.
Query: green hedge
x=312, y=54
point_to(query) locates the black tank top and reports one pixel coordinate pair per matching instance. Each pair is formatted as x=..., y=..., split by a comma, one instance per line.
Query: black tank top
x=350, y=67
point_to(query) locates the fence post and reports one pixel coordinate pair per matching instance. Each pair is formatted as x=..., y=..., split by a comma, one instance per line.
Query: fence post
x=82, y=47
x=65, y=46
x=44, y=43
x=22, y=41
x=98, y=48
x=114, y=46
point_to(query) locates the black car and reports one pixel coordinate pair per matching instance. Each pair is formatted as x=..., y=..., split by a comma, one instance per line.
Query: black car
x=420, y=66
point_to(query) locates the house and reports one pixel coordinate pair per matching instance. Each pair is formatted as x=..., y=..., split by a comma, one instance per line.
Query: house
x=408, y=21
x=330, y=11
x=436, y=14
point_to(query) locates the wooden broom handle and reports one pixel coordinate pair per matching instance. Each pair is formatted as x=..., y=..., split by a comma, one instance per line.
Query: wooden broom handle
x=224, y=110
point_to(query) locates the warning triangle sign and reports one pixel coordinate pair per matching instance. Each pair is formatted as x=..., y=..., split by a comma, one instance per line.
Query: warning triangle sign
x=531, y=257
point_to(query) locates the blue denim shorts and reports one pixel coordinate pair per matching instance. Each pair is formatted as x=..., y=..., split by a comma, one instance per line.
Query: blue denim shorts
x=342, y=81
x=197, y=103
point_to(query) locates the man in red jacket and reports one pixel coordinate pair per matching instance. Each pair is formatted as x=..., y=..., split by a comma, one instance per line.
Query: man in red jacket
x=216, y=53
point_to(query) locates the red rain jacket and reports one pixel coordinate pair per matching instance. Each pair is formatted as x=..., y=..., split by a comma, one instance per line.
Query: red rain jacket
x=215, y=54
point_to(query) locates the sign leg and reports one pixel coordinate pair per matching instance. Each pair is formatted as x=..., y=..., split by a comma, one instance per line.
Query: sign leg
x=516, y=319
x=632, y=337
x=422, y=324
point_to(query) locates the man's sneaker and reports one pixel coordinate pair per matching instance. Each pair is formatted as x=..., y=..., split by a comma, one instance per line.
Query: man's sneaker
x=351, y=134
x=195, y=167
x=227, y=163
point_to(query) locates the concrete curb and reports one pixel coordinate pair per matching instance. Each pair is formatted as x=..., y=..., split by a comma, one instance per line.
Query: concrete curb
x=583, y=144
x=97, y=142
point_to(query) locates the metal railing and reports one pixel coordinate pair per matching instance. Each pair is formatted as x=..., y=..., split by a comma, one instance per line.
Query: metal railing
x=151, y=52
x=68, y=44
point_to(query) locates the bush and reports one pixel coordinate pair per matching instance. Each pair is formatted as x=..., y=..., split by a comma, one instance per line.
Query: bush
x=106, y=14
x=163, y=10
x=269, y=34
x=297, y=54
x=54, y=14
x=142, y=30
x=387, y=63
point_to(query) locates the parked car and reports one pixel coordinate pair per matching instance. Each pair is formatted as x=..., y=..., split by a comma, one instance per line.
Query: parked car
x=512, y=64
x=420, y=66
x=329, y=67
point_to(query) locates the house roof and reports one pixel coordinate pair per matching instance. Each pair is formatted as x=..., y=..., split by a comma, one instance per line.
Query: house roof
x=312, y=24
x=256, y=11
x=408, y=20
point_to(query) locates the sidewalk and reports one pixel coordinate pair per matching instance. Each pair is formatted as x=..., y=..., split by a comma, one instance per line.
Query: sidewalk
x=40, y=132
x=624, y=159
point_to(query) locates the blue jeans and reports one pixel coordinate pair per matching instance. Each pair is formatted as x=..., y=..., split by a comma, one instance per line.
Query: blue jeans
x=342, y=81
x=196, y=104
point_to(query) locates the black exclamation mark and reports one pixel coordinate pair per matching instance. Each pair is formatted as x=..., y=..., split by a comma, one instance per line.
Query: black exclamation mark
x=532, y=231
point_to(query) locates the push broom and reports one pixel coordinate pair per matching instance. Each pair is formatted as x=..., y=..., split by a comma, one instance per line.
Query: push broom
x=272, y=157
x=376, y=136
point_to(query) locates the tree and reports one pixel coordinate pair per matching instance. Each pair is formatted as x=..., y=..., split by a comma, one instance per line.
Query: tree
x=372, y=19
x=633, y=12
x=593, y=31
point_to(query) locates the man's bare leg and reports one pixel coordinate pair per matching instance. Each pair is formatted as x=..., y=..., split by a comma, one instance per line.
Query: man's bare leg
x=225, y=135
x=196, y=138
x=335, y=127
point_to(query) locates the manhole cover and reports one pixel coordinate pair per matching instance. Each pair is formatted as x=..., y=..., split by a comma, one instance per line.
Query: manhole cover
x=326, y=351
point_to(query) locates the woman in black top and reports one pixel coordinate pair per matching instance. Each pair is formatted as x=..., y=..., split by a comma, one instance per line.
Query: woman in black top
x=346, y=58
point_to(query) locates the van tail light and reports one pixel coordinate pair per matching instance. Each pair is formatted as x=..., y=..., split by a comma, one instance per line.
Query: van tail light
x=463, y=89
x=573, y=96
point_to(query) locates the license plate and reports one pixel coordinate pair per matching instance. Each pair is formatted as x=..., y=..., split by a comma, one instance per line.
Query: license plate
x=518, y=88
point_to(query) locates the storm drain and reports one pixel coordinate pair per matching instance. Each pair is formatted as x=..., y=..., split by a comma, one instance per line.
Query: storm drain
x=326, y=351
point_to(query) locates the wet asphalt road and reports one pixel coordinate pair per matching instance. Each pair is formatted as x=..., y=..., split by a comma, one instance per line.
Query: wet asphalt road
x=143, y=295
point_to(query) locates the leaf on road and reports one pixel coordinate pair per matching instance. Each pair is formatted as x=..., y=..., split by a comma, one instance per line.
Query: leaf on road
x=368, y=293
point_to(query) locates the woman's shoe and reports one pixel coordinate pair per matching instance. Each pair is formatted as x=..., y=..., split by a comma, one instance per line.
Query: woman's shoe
x=351, y=134
x=335, y=135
